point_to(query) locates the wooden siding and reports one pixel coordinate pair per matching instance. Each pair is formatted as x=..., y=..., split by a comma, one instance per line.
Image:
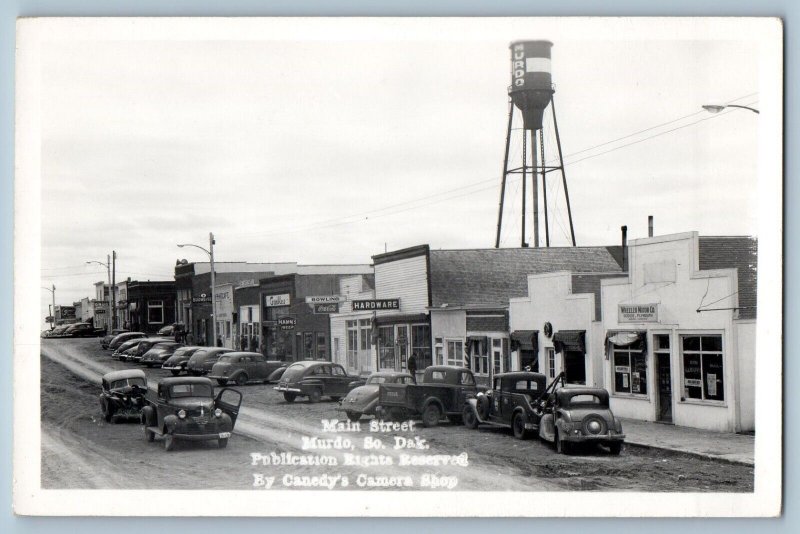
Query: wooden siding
x=406, y=279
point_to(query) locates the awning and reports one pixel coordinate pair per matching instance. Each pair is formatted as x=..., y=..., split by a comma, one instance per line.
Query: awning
x=525, y=339
x=478, y=344
x=399, y=319
x=573, y=340
x=626, y=338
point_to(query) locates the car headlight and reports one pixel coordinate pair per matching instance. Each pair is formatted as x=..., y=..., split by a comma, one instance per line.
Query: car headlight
x=182, y=414
x=218, y=412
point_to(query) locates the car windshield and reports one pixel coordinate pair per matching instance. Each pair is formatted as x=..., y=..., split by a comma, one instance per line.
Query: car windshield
x=124, y=382
x=226, y=358
x=294, y=371
x=191, y=390
x=377, y=380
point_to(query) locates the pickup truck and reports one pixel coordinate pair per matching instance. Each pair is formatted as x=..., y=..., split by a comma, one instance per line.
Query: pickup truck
x=443, y=392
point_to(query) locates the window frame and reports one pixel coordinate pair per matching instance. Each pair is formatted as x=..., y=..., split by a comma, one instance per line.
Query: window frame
x=151, y=305
x=685, y=399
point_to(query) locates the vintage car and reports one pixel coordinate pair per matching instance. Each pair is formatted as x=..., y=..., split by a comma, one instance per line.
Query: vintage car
x=143, y=346
x=512, y=402
x=170, y=329
x=123, y=395
x=126, y=349
x=580, y=414
x=316, y=379
x=364, y=399
x=276, y=375
x=201, y=362
x=443, y=392
x=176, y=364
x=106, y=340
x=159, y=353
x=185, y=408
x=119, y=339
x=59, y=330
x=243, y=367
x=83, y=330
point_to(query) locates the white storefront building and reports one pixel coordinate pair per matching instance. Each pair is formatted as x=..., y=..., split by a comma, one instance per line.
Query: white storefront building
x=352, y=335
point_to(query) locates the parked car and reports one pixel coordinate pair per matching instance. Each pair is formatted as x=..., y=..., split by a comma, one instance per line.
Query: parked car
x=580, y=414
x=176, y=363
x=316, y=379
x=185, y=408
x=145, y=345
x=83, y=330
x=363, y=400
x=59, y=330
x=243, y=367
x=123, y=395
x=126, y=349
x=169, y=330
x=201, y=362
x=106, y=340
x=514, y=401
x=159, y=353
x=443, y=392
x=123, y=337
x=276, y=375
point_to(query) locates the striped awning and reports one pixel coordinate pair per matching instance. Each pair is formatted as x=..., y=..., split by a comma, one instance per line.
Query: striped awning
x=572, y=340
x=525, y=339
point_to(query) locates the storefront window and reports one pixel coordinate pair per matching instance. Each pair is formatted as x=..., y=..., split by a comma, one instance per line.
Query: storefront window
x=308, y=345
x=386, y=344
x=421, y=339
x=352, y=344
x=439, y=351
x=155, y=311
x=480, y=358
x=497, y=355
x=703, y=368
x=322, y=346
x=575, y=367
x=630, y=370
x=455, y=353
x=551, y=361
x=365, y=331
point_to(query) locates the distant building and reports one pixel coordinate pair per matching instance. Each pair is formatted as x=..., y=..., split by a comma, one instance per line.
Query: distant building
x=145, y=306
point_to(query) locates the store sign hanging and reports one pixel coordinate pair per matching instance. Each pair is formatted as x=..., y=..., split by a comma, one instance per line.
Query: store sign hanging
x=202, y=298
x=325, y=299
x=327, y=308
x=277, y=300
x=287, y=323
x=250, y=282
x=376, y=304
x=638, y=313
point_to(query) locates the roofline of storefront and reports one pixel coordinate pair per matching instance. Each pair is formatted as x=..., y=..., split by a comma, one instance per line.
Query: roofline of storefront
x=402, y=254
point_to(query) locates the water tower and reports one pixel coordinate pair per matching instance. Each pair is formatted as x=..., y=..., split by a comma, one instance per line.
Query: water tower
x=531, y=91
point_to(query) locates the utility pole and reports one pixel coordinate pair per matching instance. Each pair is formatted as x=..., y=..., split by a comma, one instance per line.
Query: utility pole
x=53, y=315
x=113, y=289
x=109, y=328
x=213, y=291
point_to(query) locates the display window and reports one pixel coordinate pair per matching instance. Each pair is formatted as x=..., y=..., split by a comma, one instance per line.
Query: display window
x=703, y=366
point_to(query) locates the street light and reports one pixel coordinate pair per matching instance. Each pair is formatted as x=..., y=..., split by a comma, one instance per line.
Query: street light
x=110, y=289
x=210, y=252
x=714, y=108
x=53, y=316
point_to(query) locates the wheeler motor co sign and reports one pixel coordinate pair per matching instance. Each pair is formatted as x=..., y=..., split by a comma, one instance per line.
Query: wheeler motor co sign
x=332, y=307
x=287, y=323
x=376, y=304
x=277, y=300
x=638, y=313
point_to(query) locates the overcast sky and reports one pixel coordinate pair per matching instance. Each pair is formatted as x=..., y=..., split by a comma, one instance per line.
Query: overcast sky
x=321, y=151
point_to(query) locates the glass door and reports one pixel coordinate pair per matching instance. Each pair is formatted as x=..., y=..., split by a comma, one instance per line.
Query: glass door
x=402, y=348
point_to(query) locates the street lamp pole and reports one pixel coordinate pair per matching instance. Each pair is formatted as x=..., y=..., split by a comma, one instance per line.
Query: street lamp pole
x=53, y=313
x=715, y=108
x=210, y=252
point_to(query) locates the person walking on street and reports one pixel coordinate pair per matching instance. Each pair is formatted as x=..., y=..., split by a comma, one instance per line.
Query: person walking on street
x=412, y=366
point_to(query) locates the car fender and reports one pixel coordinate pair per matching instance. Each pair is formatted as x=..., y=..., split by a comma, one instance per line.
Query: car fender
x=170, y=423
x=355, y=383
x=546, y=427
x=235, y=374
x=148, y=415
x=226, y=423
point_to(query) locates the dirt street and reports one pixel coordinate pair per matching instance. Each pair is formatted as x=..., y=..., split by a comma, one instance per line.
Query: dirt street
x=81, y=450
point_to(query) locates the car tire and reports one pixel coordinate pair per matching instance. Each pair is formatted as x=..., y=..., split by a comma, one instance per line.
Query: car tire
x=518, y=425
x=314, y=395
x=615, y=448
x=222, y=442
x=222, y=382
x=169, y=442
x=431, y=415
x=149, y=434
x=469, y=418
x=354, y=416
x=289, y=397
x=241, y=379
x=175, y=372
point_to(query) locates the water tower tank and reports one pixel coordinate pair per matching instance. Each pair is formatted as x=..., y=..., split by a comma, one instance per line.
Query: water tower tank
x=531, y=81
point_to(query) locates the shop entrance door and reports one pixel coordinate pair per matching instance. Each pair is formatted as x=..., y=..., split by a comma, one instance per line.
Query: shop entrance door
x=664, y=377
x=402, y=348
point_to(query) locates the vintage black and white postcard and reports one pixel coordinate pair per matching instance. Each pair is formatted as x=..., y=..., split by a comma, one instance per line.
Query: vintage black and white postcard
x=398, y=267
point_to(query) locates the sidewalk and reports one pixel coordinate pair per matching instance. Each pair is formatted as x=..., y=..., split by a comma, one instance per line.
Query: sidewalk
x=736, y=448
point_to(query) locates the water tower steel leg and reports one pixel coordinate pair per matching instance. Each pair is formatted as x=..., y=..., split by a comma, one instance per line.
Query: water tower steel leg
x=563, y=175
x=544, y=191
x=505, y=174
x=524, y=183
x=535, y=181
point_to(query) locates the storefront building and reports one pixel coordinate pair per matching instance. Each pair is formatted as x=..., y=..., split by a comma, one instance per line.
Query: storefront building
x=471, y=291
x=680, y=332
x=145, y=306
x=193, y=296
x=101, y=305
x=224, y=315
x=353, y=338
x=275, y=317
x=557, y=328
